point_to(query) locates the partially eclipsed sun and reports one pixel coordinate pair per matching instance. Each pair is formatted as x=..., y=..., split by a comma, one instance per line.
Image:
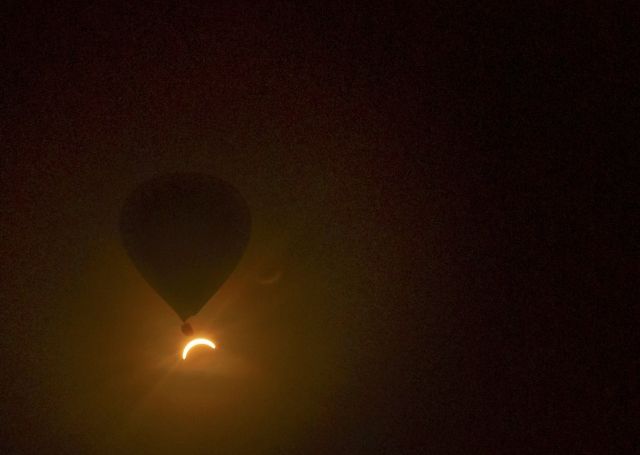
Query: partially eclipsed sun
x=196, y=342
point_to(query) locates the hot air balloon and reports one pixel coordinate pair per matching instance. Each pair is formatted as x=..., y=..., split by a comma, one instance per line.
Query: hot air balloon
x=185, y=233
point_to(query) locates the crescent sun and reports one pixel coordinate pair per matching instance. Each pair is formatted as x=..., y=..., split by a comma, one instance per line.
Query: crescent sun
x=196, y=342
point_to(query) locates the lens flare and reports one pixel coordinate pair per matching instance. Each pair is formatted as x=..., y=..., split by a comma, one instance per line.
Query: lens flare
x=196, y=342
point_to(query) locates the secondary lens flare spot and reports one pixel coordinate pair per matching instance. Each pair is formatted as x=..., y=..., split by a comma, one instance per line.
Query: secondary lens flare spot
x=196, y=342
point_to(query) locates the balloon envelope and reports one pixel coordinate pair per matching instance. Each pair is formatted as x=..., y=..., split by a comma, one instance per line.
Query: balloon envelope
x=185, y=233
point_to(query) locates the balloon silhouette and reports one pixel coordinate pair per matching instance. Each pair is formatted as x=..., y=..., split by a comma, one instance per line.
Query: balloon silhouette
x=185, y=233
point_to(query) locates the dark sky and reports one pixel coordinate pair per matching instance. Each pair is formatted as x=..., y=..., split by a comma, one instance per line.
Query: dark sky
x=440, y=188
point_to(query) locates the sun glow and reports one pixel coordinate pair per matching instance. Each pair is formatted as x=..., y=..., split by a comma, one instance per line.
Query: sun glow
x=196, y=342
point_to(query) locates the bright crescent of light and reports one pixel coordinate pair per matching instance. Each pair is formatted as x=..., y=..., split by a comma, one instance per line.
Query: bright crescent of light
x=196, y=342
